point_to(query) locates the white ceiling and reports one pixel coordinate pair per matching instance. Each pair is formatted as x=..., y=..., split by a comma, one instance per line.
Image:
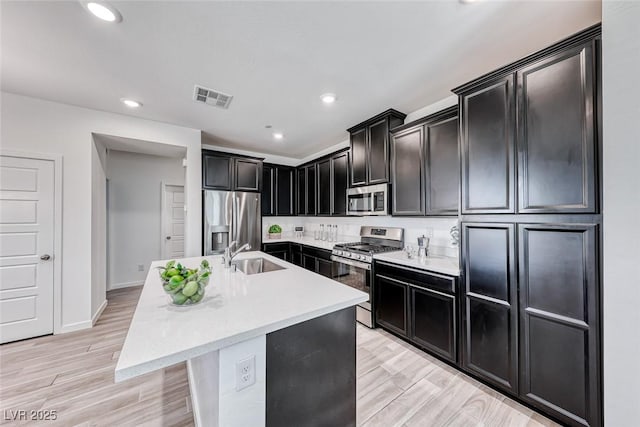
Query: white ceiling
x=276, y=58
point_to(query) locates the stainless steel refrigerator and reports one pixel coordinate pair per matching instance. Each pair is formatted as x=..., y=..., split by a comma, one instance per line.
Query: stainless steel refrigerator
x=229, y=216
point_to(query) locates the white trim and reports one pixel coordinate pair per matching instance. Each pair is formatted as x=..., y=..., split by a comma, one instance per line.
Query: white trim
x=57, y=160
x=73, y=327
x=125, y=285
x=163, y=201
x=96, y=316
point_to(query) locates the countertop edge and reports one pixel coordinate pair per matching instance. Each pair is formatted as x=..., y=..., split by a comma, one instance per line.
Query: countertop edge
x=128, y=372
x=416, y=265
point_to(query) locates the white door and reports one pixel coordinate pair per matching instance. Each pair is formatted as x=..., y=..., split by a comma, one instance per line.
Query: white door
x=173, y=222
x=26, y=247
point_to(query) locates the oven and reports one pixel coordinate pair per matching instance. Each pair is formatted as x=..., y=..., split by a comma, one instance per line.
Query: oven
x=355, y=274
x=368, y=200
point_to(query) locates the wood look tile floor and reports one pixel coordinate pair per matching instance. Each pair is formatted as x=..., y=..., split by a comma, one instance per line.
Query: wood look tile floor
x=398, y=385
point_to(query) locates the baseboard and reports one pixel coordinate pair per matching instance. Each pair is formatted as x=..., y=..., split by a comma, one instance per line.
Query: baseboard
x=72, y=327
x=96, y=316
x=125, y=285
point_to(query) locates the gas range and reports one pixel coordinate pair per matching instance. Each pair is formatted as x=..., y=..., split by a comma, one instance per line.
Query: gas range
x=352, y=262
x=374, y=240
x=361, y=251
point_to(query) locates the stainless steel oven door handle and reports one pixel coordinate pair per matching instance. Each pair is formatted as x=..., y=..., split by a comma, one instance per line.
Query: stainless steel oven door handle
x=351, y=262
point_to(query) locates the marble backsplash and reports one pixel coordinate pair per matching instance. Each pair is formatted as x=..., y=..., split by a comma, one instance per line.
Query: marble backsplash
x=437, y=229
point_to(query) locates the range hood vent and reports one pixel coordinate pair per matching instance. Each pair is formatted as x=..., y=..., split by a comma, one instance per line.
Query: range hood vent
x=212, y=97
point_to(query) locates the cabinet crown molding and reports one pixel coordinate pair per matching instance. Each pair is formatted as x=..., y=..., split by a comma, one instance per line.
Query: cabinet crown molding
x=576, y=39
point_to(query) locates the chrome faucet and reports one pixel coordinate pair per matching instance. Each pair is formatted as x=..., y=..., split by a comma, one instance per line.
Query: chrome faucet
x=229, y=256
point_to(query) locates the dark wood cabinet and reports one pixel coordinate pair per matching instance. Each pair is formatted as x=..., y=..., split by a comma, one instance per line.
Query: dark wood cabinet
x=278, y=190
x=306, y=190
x=340, y=175
x=216, y=172
x=559, y=320
x=301, y=184
x=378, y=153
x=324, y=187
x=317, y=260
x=418, y=305
x=557, y=141
x=311, y=190
x=425, y=166
x=370, y=148
x=268, y=193
x=296, y=254
x=433, y=321
x=359, y=157
x=490, y=328
x=221, y=171
x=407, y=159
x=442, y=165
x=392, y=304
x=555, y=134
x=488, y=147
x=285, y=191
x=247, y=173
x=278, y=250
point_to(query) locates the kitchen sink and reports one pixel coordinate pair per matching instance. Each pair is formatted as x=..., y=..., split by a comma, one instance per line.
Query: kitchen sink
x=256, y=265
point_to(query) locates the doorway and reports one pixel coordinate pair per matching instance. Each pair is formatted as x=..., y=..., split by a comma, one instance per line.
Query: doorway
x=172, y=236
x=29, y=242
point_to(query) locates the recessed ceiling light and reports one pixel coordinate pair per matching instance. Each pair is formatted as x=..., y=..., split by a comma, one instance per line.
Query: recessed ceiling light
x=328, y=98
x=278, y=135
x=131, y=103
x=103, y=10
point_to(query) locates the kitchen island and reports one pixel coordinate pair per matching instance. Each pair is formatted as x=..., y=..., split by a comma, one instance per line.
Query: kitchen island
x=270, y=348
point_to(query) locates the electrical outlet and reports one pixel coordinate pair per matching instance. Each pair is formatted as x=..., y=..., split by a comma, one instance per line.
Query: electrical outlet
x=140, y=267
x=245, y=373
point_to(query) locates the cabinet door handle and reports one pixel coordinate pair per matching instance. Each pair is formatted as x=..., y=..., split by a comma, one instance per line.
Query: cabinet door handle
x=45, y=257
x=168, y=237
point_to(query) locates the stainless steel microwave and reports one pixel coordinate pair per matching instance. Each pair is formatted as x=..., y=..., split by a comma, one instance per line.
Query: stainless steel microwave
x=368, y=200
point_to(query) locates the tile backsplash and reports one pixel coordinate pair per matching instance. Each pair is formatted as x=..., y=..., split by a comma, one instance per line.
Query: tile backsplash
x=437, y=229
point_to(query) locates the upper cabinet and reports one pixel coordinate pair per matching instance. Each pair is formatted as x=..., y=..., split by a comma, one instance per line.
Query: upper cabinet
x=370, y=148
x=322, y=185
x=221, y=171
x=556, y=141
x=307, y=189
x=488, y=154
x=425, y=166
x=340, y=177
x=278, y=190
x=553, y=135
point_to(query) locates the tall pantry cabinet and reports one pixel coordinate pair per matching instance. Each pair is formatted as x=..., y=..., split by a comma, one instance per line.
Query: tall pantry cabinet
x=531, y=229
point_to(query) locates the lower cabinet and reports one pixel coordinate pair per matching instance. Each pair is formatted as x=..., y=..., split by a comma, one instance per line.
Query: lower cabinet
x=296, y=254
x=490, y=312
x=278, y=250
x=392, y=302
x=317, y=260
x=531, y=314
x=418, y=305
x=433, y=316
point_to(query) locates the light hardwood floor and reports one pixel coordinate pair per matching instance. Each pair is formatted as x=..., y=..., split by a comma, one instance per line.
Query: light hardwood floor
x=398, y=385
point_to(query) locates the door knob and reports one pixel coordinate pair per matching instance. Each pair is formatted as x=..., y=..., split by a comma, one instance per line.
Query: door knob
x=45, y=257
x=168, y=237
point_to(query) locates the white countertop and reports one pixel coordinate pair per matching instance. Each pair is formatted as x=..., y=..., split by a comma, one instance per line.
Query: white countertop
x=310, y=241
x=437, y=264
x=236, y=307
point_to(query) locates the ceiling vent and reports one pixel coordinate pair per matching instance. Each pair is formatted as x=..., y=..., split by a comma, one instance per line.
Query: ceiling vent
x=211, y=97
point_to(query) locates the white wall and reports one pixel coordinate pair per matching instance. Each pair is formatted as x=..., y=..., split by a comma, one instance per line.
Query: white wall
x=621, y=158
x=34, y=125
x=135, y=205
x=98, y=228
